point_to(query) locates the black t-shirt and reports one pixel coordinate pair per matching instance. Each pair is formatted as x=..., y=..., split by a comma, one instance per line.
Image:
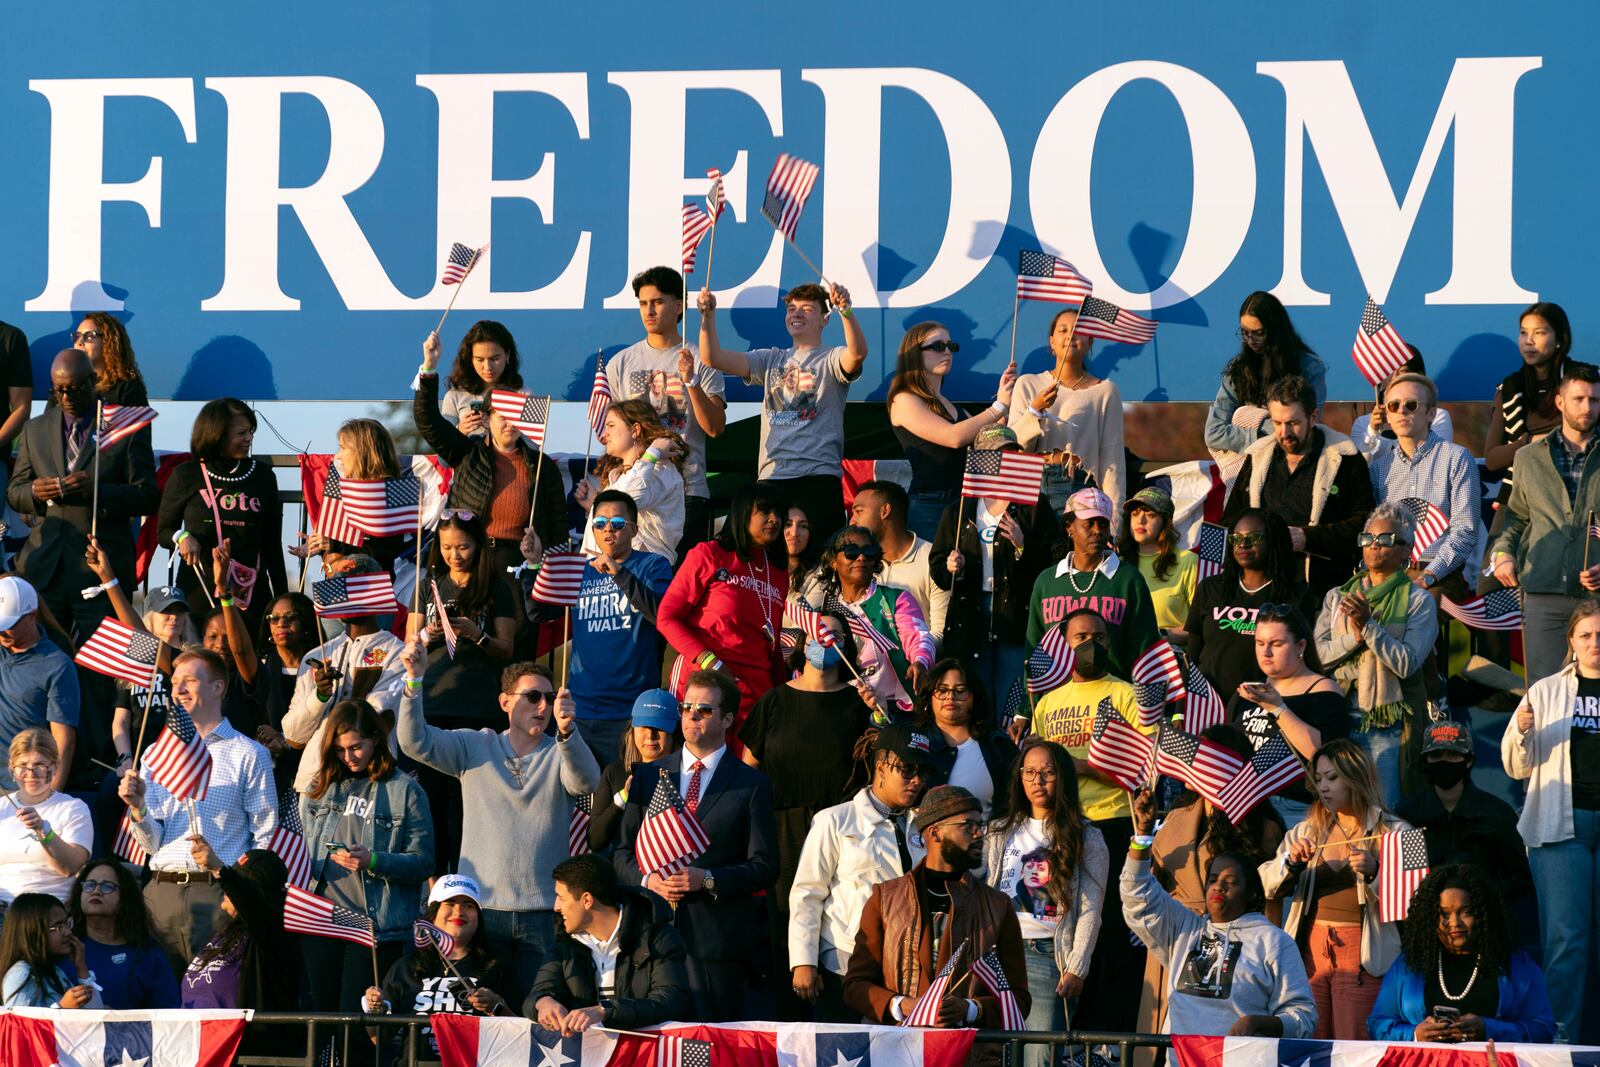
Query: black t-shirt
x=1328, y=713
x=1585, y=753
x=1482, y=999
x=805, y=742
x=464, y=690
x=16, y=370
x=1222, y=628
x=437, y=990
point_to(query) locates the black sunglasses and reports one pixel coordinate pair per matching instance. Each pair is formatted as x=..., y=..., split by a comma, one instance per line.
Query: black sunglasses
x=1387, y=539
x=1269, y=612
x=852, y=551
x=942, y=346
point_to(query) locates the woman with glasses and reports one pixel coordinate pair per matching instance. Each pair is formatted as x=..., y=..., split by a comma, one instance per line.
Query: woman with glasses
x=222, y=482
x=1053, y=864
x=1329, y=862
x=486, y=360
x=369, y=832
x=44, y=835
x=969, y=748
x=1269, y=350
x=1374, y=635
x=287, y=633
x=1258, y=568
x=42, y=965
x=105, y=341
x=109, y=917
x=1073, y=418
x=901, y=648
x=1169, y=571
x=930, y=428
x=645, y=460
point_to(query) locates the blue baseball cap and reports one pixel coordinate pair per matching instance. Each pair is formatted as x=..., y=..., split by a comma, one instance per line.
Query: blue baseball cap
x=657, y=708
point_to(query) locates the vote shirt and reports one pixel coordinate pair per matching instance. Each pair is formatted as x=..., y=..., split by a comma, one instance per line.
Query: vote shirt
x=1066, y=716
x=1586, y=745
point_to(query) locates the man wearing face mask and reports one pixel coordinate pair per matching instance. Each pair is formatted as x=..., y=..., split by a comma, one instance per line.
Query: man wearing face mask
x=1462, y=823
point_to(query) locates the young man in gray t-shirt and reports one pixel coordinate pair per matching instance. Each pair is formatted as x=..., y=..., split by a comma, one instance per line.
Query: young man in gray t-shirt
x=689, y=396
x=804, y=389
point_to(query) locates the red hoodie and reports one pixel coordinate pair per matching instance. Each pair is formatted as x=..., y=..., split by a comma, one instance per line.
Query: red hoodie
x=718, y=602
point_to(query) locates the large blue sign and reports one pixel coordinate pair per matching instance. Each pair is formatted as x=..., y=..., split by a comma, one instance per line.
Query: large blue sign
x=266, y=192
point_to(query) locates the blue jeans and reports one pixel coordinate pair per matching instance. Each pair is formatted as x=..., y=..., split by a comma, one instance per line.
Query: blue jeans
x=1292, y=812
x=1383, y=745
x=604, y=738
x=1047, y=1012
x=1565, y=875
x=524, y=938
x=998, y=664
x=1057, y=486
x=926, y=509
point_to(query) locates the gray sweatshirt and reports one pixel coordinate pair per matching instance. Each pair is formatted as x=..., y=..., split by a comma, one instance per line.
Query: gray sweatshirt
x=511, y=836
x=1217, y=974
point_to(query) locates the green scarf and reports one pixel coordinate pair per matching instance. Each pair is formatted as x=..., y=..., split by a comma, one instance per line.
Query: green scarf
x=1377, y=689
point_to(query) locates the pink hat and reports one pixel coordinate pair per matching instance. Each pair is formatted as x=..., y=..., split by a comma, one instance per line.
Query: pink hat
x=1089, y=503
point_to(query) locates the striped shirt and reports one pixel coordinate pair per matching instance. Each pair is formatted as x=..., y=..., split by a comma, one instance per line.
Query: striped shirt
x=1444, y=475
x=239, y=813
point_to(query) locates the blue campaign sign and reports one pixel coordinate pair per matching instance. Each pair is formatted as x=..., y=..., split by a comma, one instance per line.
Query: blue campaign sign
x=266, y=193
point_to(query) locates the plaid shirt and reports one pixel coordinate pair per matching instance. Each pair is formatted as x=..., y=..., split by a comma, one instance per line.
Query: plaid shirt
x=1444, y=475
x=239, y=813
x=1569, y=464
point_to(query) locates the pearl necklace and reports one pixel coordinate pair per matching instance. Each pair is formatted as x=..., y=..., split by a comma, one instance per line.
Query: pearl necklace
x=1072, y=578
x=1468, y=988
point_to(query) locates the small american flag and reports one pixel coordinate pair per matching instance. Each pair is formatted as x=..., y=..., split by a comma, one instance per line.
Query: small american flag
x=288, y=839
x=179, y=759
x=307, y=913
x=560, y=578
x=578, y=824
x=1151, y=700
x=788, y=186
x=1432, y=525
x=527, y=413
x=125, y=845
x=1016, y=702
x=353, y=596
x=120, y=651
x=809, y=621
x=1013, y=476
x=426, y=935
x=1041, y=276
x=925, y=1012
x=1378, y=350
x=1202, y=708
x=1402, y=865
x=1160, y=664
x=443, y=615
x=1498, y=609
x=696, y=224
x=1211, y=548
x=715, y=198
x=863, y=630
x=599, y=398
x=1273, y=767
x=1103, y=319
x=1207, y=768
x=987, y=969
x=459, y=263
x=118, y=421
x=1594, y=527
x=670, y=835
x=377, y=507
x=682, y=1052
x=1050, y=664
x=1119, y=750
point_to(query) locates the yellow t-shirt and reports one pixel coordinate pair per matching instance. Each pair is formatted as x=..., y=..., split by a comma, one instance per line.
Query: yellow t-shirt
x=1066, y=716
x=1173, y=594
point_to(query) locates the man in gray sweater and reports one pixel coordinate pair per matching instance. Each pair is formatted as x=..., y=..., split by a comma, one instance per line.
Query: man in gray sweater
x=517, y=794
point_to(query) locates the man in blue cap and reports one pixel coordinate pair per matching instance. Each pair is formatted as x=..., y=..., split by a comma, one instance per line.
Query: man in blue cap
x=652, y=734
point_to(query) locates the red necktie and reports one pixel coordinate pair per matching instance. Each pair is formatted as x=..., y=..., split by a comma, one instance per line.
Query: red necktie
x=692, y=797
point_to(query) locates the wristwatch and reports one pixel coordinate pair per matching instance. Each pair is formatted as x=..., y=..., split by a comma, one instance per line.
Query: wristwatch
x=709, y=883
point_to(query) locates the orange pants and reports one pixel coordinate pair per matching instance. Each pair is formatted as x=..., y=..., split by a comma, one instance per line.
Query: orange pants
x=1343, y=992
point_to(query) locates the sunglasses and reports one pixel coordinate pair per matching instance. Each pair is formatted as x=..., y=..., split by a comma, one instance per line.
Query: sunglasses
x=86, y=335
x=908, y=772
x=942, y=346
x=456, y=513
x=698, y=709
x=1248, y=540
x=1394, y=407
x=603, y=522
x=1383, y=540
x=536, y=697
x=285, y=617
x=852, y=551
x=1270, y=612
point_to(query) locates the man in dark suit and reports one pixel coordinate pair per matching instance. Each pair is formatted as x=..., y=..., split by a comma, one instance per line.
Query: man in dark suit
x=54, y=482
x=715, y=906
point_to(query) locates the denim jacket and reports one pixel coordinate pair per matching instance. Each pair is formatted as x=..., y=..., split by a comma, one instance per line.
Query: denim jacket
x=1223, y=436
x=400, y=836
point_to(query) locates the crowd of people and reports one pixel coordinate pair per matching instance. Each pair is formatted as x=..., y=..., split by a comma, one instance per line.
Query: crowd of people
x=880, y=792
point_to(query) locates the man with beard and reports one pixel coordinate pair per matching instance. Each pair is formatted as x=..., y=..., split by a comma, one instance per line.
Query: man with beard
x=1066, y=716
x=1543, y=547
x=938, y=907
x=1310, y=476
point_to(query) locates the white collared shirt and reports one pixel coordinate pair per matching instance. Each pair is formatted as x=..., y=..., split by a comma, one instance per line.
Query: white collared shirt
x=709, y=767
x=1108, y=565
x=605, y=957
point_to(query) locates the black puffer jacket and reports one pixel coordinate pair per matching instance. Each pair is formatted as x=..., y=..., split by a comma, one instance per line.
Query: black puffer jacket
x=652, y=979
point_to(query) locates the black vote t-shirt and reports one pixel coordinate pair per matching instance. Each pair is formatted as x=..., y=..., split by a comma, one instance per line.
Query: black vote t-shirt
x=1585, y=753
x=1222, y=617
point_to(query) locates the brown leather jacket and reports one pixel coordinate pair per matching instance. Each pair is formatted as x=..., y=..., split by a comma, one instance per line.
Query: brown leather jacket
x=892, y=957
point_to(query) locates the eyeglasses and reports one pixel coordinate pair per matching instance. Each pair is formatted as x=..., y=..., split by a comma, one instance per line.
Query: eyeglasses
x=953, y=692
x=942, y=346
x=536, y=697
x=615, y=522
x=1387, y=539
x=100, y=889
x=698, y=709
x=1394, y=407
x=287, y=616
x=1247, y=540
x=1038, y=776
x=456, y=513
x=59, y=928
x=1250, y=335
x=68, y=390
x=971, y=826
x=33, y=770
x=852, y=551
x=909, y=773
x=86, y=335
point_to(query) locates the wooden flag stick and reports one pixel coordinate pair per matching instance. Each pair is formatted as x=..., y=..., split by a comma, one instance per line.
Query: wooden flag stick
x=804, y=258
x=588, y=444
x=462, y=284
x=94, y=506
x=630, y=1033
x=1587, y=530
x=1016, y=305
x=711, y=251
x=1056, y=374
x=377, y=979
x=144, y=720
x=566, y=635
x=1350, y=840
x=416, y=588
x=1155, y=750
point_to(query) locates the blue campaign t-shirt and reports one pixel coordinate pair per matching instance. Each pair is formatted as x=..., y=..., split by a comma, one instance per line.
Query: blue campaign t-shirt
x=131, y=978
x=616, y=652
x=37, y=687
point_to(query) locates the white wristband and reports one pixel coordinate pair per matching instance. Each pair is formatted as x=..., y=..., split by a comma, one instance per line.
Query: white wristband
x=177, y=538
x=998, y=407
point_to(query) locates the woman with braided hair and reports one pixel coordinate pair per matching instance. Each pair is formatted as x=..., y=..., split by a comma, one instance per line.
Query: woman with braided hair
x=1460, y=977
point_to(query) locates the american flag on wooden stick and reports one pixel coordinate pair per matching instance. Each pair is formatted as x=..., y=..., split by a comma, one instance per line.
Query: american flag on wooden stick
x=425, y=934
x=1378, y=350
x=670, y=835
x=459, y=263
x=1041, y=276
x=1202, y=707
x=1119, y=750
x=599, y=397
x=809, y=621
x=1402, y=865
x=1003, y=475
x=288, y=839
x=987, y=969
x=578, y=824
x=118, y=421
x=120, y=651
x=527, y=413
x=1211, y=548
x=1432, y=524
x=441, y=612
x=560, y=578
x=126, y=846
x=788, y=186
x=355, y=508
x=716, y=199
x=1205, y=766
x=1272, y=768
x=1050, y=663
x=1103, y=319
x=696, y=224
x=179, y=759
x=354, y=595
x=307, y=913
x=925, y=1012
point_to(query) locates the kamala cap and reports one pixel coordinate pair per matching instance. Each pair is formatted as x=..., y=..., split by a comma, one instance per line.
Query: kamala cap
x=944, y=802
x=455, y=885
x=656, y=708
x=1088, y=503
x=1447, y=736
x=17, y=598
x=905, y=742
x=991, y=438
x=166, y=598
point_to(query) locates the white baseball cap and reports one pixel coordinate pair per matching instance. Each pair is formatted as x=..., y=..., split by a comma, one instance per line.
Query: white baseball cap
x=17, y=599
x=455, y=885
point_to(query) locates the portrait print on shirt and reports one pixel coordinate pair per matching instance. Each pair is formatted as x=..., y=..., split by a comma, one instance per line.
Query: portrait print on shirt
x=666, y=395
x=792, y=394
x=1208, y=970
x=1030, y=893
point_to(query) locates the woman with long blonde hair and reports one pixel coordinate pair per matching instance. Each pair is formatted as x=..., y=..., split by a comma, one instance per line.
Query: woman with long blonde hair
x=645, y=460
x=366, y=453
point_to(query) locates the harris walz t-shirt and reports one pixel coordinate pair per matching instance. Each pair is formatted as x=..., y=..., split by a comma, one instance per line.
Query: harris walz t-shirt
x=1586, y=745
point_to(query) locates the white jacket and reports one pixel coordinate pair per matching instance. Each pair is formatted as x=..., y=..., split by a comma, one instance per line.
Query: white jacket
x=657, y=491
x=850, y=849
x=1543, y=758
x=302, y=723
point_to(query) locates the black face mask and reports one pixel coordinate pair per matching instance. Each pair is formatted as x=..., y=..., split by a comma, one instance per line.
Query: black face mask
x=1446, y=775
x=1088, y=661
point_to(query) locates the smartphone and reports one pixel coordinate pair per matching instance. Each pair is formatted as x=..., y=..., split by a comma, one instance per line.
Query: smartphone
x=335, y=846
x=477, y=405
x=1447, y=1015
